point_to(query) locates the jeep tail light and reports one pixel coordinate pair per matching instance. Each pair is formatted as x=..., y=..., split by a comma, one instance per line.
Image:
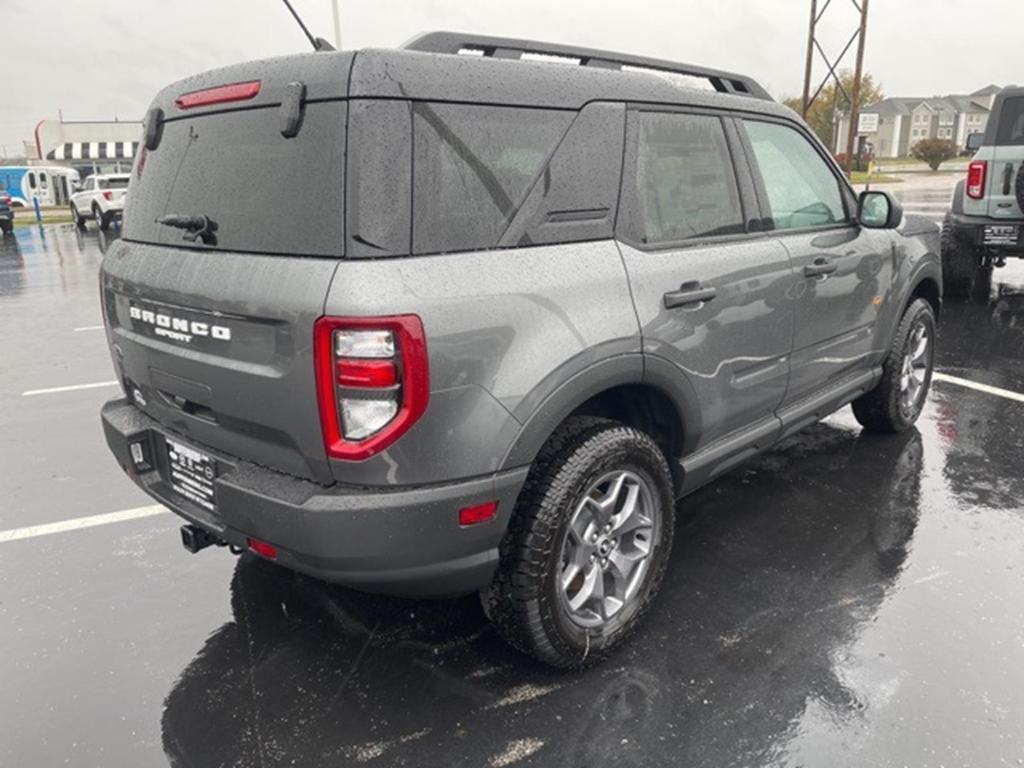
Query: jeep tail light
x=976, y=173
x=108, y=195
x=218, y=95
x=372, y=381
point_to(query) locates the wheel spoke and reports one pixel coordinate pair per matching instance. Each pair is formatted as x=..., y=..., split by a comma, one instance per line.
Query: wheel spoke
x=593, y=586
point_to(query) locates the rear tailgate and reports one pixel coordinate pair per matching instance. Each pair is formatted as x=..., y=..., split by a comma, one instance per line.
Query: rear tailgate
x=216, y=333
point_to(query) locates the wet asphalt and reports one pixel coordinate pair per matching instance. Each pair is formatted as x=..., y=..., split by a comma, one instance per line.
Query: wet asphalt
x=843, y=600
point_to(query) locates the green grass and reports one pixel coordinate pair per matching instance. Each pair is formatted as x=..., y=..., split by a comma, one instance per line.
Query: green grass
x=23, y=221
x=861, y=177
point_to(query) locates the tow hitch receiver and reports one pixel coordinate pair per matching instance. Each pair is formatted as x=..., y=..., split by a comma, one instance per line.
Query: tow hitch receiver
x=195, y=539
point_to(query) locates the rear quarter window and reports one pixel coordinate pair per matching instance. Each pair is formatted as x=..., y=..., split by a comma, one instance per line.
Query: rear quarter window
x=266, y=193
x=472, y=168
x=1011, y=122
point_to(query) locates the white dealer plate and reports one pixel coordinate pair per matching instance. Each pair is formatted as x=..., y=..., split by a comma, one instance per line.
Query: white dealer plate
x=191, y=474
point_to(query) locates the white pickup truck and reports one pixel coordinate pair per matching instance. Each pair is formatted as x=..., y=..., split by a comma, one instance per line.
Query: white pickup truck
x=100, y=198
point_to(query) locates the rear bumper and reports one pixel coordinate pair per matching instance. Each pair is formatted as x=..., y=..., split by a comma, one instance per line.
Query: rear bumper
x=978, y=231
x=403, y=541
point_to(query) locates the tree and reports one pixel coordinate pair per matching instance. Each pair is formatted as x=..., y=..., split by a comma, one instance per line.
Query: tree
x=934, y=152
x=820, y=115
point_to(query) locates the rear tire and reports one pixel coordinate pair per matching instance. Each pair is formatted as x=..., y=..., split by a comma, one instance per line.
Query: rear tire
x=101, y=219
x=962, y=272
x=76, y=217
x=587, y=545
x=896, y=401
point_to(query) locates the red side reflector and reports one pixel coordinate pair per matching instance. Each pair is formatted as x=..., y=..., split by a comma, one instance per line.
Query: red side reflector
x=218, y=95
x=262, y=548
x=367, y=374
x=481, y=513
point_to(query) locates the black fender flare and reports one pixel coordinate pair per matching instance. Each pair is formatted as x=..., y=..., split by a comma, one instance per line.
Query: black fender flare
x=611, y=372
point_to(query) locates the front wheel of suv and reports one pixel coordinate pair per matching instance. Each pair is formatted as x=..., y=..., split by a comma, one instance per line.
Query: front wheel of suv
x=587, y=546
x=896, y=401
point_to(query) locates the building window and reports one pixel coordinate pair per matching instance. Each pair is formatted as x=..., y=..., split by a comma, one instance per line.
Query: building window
x=946, y=118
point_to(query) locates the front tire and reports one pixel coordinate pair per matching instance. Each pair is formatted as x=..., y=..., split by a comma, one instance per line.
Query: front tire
x=587, y=546
x=896, y=401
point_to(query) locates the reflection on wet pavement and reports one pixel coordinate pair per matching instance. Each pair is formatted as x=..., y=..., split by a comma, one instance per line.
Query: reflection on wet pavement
x=843, y=600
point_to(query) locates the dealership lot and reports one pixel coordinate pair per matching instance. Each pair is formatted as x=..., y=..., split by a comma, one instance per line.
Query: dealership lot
x=842, y=600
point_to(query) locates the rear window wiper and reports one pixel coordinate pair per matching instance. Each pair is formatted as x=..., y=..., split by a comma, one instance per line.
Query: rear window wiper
x=196, y=227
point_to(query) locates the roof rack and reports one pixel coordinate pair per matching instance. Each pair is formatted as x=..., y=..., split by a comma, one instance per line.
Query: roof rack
x=509, y=48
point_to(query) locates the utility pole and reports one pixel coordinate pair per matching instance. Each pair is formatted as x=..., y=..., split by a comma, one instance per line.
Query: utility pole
x=833, y=69
x=858, y=73
x=337, y=23
x=809, y=65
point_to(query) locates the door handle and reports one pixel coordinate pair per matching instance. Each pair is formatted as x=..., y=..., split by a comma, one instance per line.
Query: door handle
x=820, y=267
x=688, y=293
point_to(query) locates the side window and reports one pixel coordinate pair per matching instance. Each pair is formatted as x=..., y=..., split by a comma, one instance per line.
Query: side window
x=31, y=180
x=802, y=189
x=685, y=183
x=473, y=167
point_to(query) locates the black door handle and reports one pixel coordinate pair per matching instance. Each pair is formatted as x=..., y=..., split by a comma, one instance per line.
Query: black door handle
x=688, y=293
x=820, y=267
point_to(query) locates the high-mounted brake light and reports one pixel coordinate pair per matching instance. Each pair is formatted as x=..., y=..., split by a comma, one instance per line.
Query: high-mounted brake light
x=372, y=381
x=977, y=171
x=218, y=95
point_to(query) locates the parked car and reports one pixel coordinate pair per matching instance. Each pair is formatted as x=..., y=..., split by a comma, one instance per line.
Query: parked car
x=507, y=313
x=6, y=213
x=985, y=225
x=101, y=198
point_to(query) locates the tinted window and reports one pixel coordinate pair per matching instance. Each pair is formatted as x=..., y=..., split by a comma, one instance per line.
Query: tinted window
x=802, y=190
x=685, y=184
x=1011, y=123
x=115, y=183
x=266, y=193
x=472, y=169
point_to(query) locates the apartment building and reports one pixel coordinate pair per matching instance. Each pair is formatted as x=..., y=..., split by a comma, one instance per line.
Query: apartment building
x=895, y=124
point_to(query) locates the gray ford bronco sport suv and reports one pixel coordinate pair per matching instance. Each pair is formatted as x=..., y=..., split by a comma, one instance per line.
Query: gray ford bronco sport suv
x=516, y=300
x=986, y=223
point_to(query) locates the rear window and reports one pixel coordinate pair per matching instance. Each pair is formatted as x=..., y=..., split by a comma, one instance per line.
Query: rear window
x=118, y=183
x=1011, y=123
x=266, y=193
x=473, y=167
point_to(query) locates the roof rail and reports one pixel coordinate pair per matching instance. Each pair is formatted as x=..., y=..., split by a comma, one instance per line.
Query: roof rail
x=508, y=48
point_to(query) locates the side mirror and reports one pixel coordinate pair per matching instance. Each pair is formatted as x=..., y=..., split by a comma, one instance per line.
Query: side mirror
x=878, y=210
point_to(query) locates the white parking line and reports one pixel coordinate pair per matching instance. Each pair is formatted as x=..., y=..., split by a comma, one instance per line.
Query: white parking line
x=88, y=328
x=986, y=388
x=34, y=531
x=70, y=388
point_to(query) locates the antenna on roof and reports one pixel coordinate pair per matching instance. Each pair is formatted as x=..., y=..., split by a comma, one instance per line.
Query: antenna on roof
x=318, y=43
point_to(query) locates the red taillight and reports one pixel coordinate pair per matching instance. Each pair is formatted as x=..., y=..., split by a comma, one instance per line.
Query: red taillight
x=976, y=173
x=367, y=373
x=108, y=195
x=218, y=95
x=480, y=513
x=263, y=549
x=372, y=381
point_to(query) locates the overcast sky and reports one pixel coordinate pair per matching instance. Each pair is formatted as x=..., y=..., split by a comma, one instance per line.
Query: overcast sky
x=105, y=58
